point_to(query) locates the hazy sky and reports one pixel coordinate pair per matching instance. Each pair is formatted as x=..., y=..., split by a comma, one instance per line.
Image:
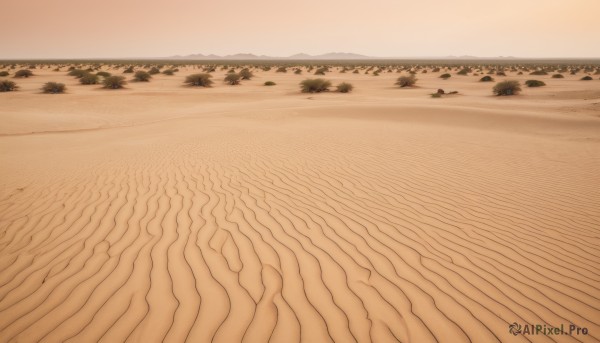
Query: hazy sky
x=403, y=28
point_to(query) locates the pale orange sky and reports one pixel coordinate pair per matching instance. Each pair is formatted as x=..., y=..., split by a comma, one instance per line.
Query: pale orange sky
x=386, y=28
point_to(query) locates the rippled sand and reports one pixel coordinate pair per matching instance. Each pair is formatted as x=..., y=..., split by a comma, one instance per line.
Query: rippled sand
x=251, y=213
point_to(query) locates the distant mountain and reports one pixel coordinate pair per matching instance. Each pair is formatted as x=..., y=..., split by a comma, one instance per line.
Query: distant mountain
x=301, y=56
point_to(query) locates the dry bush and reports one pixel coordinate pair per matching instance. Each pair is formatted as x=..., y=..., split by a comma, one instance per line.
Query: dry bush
x=53, y=88
x=315, y=85
x=534, y=83
x=142, y=76
x=344, y=87
x=24, y=73
x=445, y=76
x=199, y=80
x=270, y=83
x=8, y=86
x=89, y=79
x=486, y=78
x=114, y=82
x=509, y=87
x=406, y=81
x=233, y=79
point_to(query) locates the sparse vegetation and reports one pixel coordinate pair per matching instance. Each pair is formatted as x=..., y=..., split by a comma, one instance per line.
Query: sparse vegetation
x=199, y=80
x=445, y=76
x=406, y=81
x=89, y=79
x=53, y=88
x=534, y=83
x=168, y=72
x=103, y=74
x=486, y=78
x=233, y=79
x=8, y=86
x=586, y=78
x=270, y=83
x=142, y=76
x=344, y=87
x=539, y=72
x=558, y=76
x=23, y=73
x=4, y=73
x=509, y=87
x=246, y=74
x=78, y=73
x=154, y=71
x=114, y=82
x=315, y=85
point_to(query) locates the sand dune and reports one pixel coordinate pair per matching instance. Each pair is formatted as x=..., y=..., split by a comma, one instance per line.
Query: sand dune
x=163, y=213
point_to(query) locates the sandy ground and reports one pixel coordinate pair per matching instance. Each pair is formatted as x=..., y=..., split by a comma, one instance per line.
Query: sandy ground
x=252, y=213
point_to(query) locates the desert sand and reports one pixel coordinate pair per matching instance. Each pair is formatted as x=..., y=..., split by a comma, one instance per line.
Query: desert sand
x=249, y=213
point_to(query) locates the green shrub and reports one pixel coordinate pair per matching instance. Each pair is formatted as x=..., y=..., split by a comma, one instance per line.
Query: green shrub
x=246, y=74
x=486, y=78
x=270, y=83
x=508, y=87
x=233, y=79
x=406, y=81
x=4, y=73
x=344, y=87
x=586, y=78
x=142, y=76
x=314, y=85
x=114, y=82
x=534, y=83
x=199, y=80
x=89, y=79
x=53, y=88
x=23, y=73
x=445, y=76
x=7, y=86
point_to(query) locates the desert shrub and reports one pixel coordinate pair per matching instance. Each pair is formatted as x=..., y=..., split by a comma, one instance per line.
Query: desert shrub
x=509, y=87
x=445, y=76
x=298, y=71
x=77, y=73
x=199, y=80
x=501, y=73
x=315, y=85
x=534, y=83
x=103, y=74
x=4, y=73
x=464, y=71
x=154, y=71
x=142, y=76
x=270, y=83
x=486, y=78
x=436, y=95
x=321, y=71
x=406, y=81
x=7, y=86
x=233, y=79
x=53, y=88
x=89, y=79
x=114, y=82
x=23, y=73
x=281, y=70
x=539, y=72
x=586, y=78
x=435, y=70
x=344, y=87
x=168, y=72
x=558, y=76
x=246, y=74
x=128, y=70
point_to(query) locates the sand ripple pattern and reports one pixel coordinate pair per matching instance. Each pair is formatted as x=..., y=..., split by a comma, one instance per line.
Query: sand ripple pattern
x=319, y=240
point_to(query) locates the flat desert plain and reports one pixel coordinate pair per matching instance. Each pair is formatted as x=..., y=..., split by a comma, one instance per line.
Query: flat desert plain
x=248, y=213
